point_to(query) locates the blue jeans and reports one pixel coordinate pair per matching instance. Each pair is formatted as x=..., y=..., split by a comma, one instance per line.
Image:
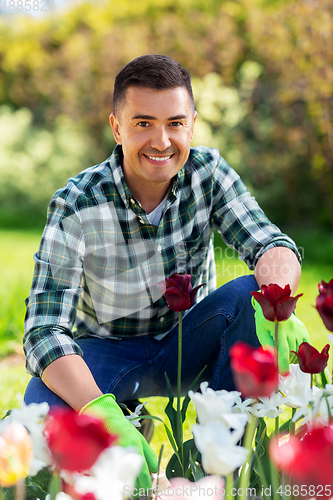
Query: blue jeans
x=135, y=367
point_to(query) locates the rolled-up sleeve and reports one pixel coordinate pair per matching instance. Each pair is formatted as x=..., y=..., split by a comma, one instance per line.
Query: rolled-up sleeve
x=241, y=222
x=52, y=303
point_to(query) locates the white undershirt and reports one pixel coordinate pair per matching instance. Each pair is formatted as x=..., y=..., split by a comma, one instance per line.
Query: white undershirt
x=154, y=217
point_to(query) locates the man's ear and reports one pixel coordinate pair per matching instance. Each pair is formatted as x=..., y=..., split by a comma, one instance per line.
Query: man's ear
x=194, y=120
x=115, y=128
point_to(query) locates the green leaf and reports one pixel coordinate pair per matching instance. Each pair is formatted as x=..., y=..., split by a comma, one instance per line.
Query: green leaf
x=35, y=489
x=2, y=494
x=174, y=468
x=195, y=469
x=324, y=378
x=172, y=441
x=159, y=466
x=172, y=414
x=160, y=459
x=285, y=426
x=261, y=463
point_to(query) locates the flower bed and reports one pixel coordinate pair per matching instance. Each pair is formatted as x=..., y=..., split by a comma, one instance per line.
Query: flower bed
x=272, y=438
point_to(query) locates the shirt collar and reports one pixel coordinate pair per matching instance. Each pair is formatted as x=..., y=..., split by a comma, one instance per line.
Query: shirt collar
x=116, y=162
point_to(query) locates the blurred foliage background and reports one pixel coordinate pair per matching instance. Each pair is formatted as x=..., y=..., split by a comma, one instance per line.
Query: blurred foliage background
x=262, y=75
x=263, y=82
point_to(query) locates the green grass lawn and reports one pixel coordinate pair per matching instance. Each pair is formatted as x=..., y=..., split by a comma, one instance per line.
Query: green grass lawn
x=16, y=263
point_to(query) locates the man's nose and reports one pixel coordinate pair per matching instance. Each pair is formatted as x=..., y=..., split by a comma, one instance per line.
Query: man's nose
x=160, y=139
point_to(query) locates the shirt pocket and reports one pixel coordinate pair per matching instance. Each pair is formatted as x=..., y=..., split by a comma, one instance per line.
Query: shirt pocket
x=191, y=253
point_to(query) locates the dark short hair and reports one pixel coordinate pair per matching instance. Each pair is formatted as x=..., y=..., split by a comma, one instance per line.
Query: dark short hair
x=151, y=71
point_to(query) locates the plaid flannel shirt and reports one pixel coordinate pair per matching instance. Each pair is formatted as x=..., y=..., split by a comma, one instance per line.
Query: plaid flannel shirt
x=100, y=259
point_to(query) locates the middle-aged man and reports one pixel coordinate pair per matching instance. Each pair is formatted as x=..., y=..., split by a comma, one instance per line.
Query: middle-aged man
x=116, y=230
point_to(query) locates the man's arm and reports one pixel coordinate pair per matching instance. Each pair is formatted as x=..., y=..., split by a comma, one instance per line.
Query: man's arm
x=278, y=265
x=70, y=378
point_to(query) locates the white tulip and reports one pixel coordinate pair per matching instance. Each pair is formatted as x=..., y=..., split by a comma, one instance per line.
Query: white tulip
x=218, y=447
x=214, y=405
x=113, y=476
x=295, y=387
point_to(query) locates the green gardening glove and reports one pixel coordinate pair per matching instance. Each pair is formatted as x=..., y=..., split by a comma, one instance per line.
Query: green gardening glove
x=292, y=333
x=106, y=408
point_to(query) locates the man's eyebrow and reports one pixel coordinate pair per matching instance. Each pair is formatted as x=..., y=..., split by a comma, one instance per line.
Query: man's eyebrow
x=177, y=117
x=144, y=117
x=149, y=117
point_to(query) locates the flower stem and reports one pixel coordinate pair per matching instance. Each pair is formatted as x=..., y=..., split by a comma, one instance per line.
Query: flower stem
x=20, y=490
x=292, y=426
x=179, y=386
x=276, y=342
x=229, y=483
x=274, y=479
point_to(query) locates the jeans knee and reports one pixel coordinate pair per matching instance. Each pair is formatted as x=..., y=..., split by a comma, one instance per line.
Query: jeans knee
x=236, y=294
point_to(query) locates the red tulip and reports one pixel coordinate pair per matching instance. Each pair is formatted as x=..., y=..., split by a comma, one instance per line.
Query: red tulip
x=307, y=460
x=75, y=441
x=310, y=360
x=178, y=292
x=324, y=303
x=276, y=302
x=255, y=370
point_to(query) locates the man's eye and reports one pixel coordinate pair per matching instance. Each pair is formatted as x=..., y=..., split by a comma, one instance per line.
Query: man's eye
x=175, y=124
x=143, y=124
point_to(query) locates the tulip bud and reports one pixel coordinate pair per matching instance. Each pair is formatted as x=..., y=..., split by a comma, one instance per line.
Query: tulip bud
x=324, y=304
x=178, y=292
x=310, y=360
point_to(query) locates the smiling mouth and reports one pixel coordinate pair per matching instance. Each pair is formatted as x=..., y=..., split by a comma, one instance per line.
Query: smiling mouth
x=159, y=158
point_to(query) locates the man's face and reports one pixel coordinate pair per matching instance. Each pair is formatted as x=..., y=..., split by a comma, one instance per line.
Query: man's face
x=155, y=129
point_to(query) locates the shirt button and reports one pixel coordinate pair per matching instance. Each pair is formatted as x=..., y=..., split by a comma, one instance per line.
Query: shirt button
x=159, y=248
x=132, y=200
x=141, y=220
x=161, y=319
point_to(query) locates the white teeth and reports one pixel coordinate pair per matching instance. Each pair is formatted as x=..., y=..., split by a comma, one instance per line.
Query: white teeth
x=159, y=158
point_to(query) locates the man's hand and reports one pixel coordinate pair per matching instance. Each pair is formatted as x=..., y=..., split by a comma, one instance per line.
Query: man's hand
x=292, y=333
x=106, y=408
